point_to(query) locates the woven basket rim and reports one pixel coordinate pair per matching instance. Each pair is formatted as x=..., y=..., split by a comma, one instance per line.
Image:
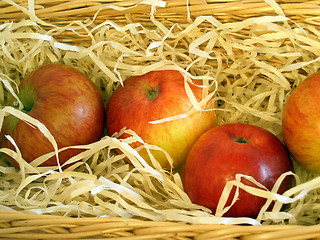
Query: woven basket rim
x=22, y=225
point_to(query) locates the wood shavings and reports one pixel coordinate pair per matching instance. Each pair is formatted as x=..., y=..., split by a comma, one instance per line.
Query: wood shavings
x=248, y=68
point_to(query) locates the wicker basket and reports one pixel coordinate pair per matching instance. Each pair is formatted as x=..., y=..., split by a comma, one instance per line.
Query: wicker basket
x=22, y=224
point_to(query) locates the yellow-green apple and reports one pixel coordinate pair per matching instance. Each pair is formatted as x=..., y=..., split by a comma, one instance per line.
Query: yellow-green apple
x=67, y=102
x=301, y=123
x=230, y=149
x=153, y=96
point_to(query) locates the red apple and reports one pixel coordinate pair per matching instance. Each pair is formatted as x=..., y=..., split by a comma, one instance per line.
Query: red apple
x=230, y=149
x=301, y=123
x=153, y=96
x=66, y=102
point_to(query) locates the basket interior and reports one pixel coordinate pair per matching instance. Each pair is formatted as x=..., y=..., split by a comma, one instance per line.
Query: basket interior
x=251, y=53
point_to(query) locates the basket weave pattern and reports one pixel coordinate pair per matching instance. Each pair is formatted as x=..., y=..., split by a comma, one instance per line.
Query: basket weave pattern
x=19, y=225
x=29, y=226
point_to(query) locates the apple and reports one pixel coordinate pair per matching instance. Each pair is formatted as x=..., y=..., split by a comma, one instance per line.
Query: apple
x=67, y=102
x=153, y=96
x=301, y=123
x=230, y=149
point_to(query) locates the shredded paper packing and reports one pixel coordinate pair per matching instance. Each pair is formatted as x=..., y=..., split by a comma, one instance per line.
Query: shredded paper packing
x=248, y=69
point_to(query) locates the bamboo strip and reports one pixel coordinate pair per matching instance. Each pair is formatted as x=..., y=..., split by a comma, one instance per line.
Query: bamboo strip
x=16, y=225
x=58, y=229
x=4, y=231
x=245, y=232
x=81, y=235
x=241, y=231
x=131, y=224
x=288, y=233
x=55, y=227
x=181, y=228
x=52, y=10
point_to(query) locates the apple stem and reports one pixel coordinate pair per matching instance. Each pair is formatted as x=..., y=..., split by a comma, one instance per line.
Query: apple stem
x=153, y=93
x=240, y=140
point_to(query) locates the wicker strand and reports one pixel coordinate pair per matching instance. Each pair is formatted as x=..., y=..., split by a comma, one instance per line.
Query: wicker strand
x=19, y=225
x=31, y=226
x=56, y=10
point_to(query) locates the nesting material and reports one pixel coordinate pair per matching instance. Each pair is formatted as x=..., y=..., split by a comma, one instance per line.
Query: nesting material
x=249, y=65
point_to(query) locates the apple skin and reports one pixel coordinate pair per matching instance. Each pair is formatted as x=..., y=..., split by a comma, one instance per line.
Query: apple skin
x=66, y=102
x=226, y=150
x=301, y=123
x=153, y=96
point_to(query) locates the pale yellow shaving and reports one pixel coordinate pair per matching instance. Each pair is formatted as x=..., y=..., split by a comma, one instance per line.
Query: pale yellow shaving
x=248, y=69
